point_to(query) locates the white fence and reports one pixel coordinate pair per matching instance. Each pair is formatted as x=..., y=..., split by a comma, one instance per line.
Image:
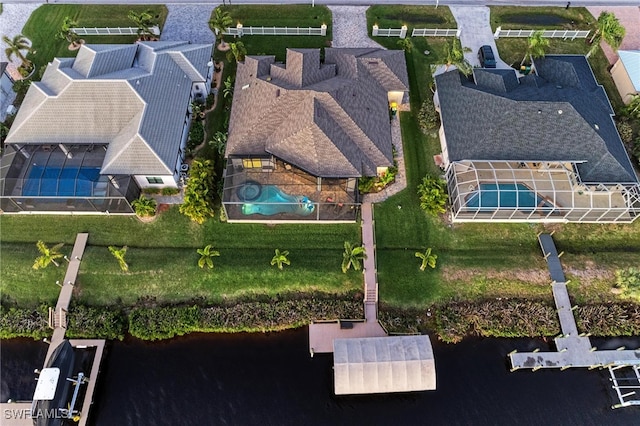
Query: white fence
x=112, y=31
x=572, y=34
x=435, y=32
x=389, y=32
x=240, y=31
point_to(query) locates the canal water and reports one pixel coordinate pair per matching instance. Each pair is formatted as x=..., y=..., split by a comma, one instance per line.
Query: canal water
x=269, y=379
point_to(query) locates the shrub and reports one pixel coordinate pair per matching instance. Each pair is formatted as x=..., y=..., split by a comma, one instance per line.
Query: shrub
x=96, y=323
x=433, y=195
x=144, y=207
x=168, y=191
x=428, y=117
x=196, y=135
x=24, y=322
x=613, y=319
x=628, y=280
x=198, y=193
x=163, y=322
x=152, y=191
x=626, y=131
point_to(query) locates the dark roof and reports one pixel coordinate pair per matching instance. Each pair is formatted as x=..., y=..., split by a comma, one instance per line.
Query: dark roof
x=330, y=119
x=561, y=114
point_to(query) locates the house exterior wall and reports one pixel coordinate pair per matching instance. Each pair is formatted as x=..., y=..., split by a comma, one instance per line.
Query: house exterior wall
x=395, y=97
x=156, y=181
x=623, y=82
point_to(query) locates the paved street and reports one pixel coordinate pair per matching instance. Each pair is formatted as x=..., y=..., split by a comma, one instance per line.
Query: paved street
x=364, y=2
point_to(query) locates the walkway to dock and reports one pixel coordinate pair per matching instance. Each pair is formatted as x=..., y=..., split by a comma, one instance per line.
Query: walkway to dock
x=321, y=334
x=573, y=349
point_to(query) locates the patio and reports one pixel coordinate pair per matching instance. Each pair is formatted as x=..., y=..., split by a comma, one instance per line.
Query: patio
x=285, y=194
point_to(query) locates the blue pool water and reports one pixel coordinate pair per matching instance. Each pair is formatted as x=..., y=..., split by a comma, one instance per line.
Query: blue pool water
x=274, y=199
x=57, y=181
x=511, y=195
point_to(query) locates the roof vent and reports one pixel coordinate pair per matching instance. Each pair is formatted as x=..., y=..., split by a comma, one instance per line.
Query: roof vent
x=558, y=87
x=559, y=111
x=539, y=111
x=277, y=93
x=596, y=127
x=137, y=82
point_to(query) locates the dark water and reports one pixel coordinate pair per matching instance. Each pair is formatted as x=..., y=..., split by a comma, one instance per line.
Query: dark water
x=269, y=379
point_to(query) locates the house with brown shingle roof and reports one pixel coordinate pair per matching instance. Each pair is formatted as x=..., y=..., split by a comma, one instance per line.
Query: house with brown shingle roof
x=303, y=132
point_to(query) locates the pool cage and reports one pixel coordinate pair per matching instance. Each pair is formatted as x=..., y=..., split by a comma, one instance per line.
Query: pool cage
x=516, y=191
x=269, y=190
x=62, y=179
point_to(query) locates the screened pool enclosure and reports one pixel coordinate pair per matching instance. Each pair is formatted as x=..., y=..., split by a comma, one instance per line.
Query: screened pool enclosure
x=61, y=178
x=536, y=192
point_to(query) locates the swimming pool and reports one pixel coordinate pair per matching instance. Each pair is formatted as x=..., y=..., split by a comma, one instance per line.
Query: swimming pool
x=47, y=181
x=505, y=195
x=268, y=200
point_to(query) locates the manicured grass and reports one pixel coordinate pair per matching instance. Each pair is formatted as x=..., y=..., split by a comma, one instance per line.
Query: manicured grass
x=281, y=16
x=518, y=17
x=387, y=16
x=45, y=22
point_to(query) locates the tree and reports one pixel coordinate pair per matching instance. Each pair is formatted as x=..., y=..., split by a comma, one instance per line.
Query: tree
x=219, y=142
x=455, y=56
x=352, y=256
x=144, y=207
x=428, y=259
x=219, y=23
x=236, y=52
x=609, y=29
x=280, y=259
x=15, y=46
x=66, y=31
x=144, y=21
x=227, y=92
x=198, y=193
x=47, y=255
x=405, y=44
x=633, y=109
x=536, y=46
x=119, y=255
x=433, y=195
x=206, y=256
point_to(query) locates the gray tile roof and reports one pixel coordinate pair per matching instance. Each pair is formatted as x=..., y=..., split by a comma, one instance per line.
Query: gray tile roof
x=132, y=97
x=557, y=116
x=329, y=119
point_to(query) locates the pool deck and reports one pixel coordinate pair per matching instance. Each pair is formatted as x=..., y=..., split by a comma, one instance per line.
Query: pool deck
x=573, y=349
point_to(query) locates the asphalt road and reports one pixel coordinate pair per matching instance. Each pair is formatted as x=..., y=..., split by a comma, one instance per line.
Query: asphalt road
x=359, y=2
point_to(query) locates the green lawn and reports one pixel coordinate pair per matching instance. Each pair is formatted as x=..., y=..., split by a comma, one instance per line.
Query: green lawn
x=388, y=16
x=518, y=17
x=45, y=22
x=281, y=16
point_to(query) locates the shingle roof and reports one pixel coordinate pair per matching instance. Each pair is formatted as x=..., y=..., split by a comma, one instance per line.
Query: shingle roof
x=329, y=119
x=558, y=116
x=132, y=97
x=631, y=61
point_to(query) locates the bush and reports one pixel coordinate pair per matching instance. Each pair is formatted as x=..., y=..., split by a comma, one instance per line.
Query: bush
x=614, y=319
x=196, y=135
x=198, y=193
x=626, y=131
x=168, y=191
x=433, y=195
x=144, y=207
x=96, y=323
x=24, y=322
x=428, y=117
x=163, y=322
x=628, y=280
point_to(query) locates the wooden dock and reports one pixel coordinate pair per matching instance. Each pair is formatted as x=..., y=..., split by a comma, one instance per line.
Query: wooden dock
x=573, y=350
x=321, y=334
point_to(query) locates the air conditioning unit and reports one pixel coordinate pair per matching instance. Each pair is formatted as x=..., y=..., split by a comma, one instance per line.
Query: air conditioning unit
x=184, y=167
x=11, y=110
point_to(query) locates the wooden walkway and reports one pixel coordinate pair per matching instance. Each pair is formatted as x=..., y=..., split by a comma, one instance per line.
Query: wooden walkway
x=573, y=350
x=321, y=334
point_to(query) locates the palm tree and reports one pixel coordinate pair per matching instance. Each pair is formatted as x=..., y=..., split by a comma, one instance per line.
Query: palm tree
x=220, y=22
x=144, y=21
x=237, y=52
x=352, y=256
x=281, y=259
x=227, y=92
x=119, y=255
x=15, y=46
x=609, y=29
x=536, y=46
x=66, y=31
x=428, y=259
x=144, y=206
x=633, y=109
x=206, y=255
x=47, y=255
x=455, y=56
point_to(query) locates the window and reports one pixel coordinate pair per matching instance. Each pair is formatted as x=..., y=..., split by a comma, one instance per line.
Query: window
x=154, y=179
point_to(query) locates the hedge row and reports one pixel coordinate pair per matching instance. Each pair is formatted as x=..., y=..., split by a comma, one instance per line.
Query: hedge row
x=609, y=320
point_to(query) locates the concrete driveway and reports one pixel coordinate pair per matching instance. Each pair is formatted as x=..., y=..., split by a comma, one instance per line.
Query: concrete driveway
x=475, y=32
x=189, y=22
